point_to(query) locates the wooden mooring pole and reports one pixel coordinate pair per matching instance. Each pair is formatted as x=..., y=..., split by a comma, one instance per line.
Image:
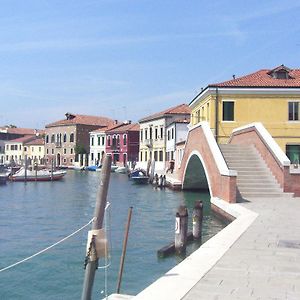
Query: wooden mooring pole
x=25, y=166
x=124, y=250
x=97, y=224
x=181, y=228
x=197, y=220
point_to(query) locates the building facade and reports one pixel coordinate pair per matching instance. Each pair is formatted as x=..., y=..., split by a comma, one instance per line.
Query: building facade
x=97, y=146
x=122, y=142
x=153, y=139
x=66, y=138
x=32, y=146
x=268, y=96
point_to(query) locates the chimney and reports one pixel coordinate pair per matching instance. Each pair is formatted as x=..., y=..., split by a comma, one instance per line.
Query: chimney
x=116, y=122
x=233, y=76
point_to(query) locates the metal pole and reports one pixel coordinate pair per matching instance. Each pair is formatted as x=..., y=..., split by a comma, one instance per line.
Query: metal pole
x=97, y=224
x=124, y=250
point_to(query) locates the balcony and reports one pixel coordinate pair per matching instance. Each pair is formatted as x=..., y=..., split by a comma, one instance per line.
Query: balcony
x=149, y=143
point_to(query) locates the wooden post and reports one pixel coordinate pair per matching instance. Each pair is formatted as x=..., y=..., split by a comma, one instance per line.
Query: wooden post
x=148, y=167
x=181, y=228
x=52, y=169
x=124, y=250
x=97, y=224
x=197, y=220
x=36, y=169
x=25, y=166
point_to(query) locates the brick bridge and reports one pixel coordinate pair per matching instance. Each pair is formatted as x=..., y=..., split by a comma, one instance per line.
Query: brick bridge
x=250, y=165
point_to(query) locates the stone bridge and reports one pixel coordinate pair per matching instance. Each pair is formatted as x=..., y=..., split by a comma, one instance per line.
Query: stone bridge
x=227, y=173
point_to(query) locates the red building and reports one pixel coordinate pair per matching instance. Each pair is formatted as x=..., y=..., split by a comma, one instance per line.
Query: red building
x=122, y=142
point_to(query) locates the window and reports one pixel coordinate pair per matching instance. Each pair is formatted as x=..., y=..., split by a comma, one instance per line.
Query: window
x=65, y=138
x=52, y=151
x=155, y=155
x=20, y=147
x=198, y=116
x=150, y=133
x=103, y=141
x=146, y=156
x=32, y=149
x=108, y=140
x=65, y=151
x=71, y=137
x=71, y=150
x=161, y=156
x=125, y=139
x=25, y=149
x=146, y=134
x=92, y=156
x=156, y=133
x=99, y=140
x=47, y=139
x=52, y=138
x=47, y=151
x=141, y=134
x=293, y=153
x=228, y=111
x=141, y=156
x=207, y=112
x=161, y=133
x=172, y=133
x=40, y=149
x=92, y=141
x=293, y=111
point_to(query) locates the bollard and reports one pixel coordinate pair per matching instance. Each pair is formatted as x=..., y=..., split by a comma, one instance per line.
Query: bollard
x=181, y=228
x=197, y=220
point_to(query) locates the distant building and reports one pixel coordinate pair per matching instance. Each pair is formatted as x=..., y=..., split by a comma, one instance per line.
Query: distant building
x=97, y=146
x=8, y=134
x=30, y=145
x=153, y=138
x=122, y=142
x=269, y=96
x=176, y=132
x=66, y=138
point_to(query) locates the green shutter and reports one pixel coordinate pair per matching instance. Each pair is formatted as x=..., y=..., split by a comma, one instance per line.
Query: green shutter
x=228, y=111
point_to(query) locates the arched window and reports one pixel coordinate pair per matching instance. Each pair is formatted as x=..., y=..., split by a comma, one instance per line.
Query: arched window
x=125, y=139
x=65, y=138
x=52, y=138
x=47, y=139
x=72, y=137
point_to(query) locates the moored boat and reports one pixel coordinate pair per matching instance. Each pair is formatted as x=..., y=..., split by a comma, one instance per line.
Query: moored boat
x=140, y=179
x=122, y=170
x=40, y=175
x=92, y=168
x=3, y=178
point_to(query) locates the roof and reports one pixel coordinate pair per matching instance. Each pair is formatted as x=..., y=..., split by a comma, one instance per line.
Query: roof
x=21, y=131
x=124, y=127
x=182, y=109
x=72, y=119
x=38, y=141
x=23, y=139
x=264, y=78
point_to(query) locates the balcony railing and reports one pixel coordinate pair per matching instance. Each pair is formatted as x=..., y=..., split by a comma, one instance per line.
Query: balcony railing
x=148, y=143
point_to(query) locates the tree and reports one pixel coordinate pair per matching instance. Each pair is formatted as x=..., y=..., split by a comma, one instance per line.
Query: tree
x=79, y=149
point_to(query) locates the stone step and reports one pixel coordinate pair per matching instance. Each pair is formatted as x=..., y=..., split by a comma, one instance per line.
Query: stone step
x=258, y=190
x=239, y=164
x=265, y=195
x=250, y=184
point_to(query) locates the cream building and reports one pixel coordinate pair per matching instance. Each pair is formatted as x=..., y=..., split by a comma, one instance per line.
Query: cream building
x=153, y=135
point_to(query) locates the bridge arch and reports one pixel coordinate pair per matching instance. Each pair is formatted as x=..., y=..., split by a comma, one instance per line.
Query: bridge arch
x=202, y=160
x=195, y=173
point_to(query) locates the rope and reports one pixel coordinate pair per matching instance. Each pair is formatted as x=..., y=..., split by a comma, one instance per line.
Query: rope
x=48, y=248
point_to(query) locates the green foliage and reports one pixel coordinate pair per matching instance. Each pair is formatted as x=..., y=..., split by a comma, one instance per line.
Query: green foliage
x=79, y=149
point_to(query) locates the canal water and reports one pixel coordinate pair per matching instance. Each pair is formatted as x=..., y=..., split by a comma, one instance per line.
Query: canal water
x=36, y=215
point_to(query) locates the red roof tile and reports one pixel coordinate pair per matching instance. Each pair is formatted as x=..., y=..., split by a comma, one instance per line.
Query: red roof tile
x=182, y=109
x=124, y=127
x=23, y=139
x=37, y=141
x=23, y=131
x=82, y=120
x=264, y=78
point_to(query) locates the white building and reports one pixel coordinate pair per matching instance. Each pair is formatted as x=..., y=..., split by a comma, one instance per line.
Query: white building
x=153, y=135
x=97, y=146
x=176, y=133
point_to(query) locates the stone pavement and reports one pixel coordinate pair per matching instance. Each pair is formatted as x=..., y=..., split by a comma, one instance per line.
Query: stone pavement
x=259, y=265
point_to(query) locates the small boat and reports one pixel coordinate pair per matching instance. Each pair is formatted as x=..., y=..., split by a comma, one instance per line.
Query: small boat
x=92, y=168
x=114, y=168
x=40, y=175
x=122, y=170
x=137, y=172
x=3, y=178
x=140, y=179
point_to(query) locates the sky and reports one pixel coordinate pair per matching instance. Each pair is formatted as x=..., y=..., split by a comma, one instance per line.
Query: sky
x=127, y=59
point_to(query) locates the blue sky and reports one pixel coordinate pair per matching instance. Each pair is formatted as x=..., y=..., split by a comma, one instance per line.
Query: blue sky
x=127, y=59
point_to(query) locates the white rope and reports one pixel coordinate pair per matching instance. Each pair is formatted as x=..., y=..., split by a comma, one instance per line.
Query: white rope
x=48, y=248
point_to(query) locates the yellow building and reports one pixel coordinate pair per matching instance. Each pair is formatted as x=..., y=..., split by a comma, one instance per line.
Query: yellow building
x=268, y=96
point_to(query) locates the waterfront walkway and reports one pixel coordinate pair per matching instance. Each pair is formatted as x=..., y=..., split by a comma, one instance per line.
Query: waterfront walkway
x=260, y=264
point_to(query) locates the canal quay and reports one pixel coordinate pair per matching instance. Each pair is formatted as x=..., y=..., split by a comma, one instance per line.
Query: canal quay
x=35, y=215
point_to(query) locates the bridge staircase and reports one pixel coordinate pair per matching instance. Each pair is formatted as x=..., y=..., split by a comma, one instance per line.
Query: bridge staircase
x=254, y=179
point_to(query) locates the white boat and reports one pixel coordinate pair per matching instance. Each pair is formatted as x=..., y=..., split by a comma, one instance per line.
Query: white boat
x=114, y=168
x=122, y=170
x=40, y=175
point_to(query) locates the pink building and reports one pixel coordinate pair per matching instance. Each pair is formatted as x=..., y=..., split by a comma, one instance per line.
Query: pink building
x=122, y=142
